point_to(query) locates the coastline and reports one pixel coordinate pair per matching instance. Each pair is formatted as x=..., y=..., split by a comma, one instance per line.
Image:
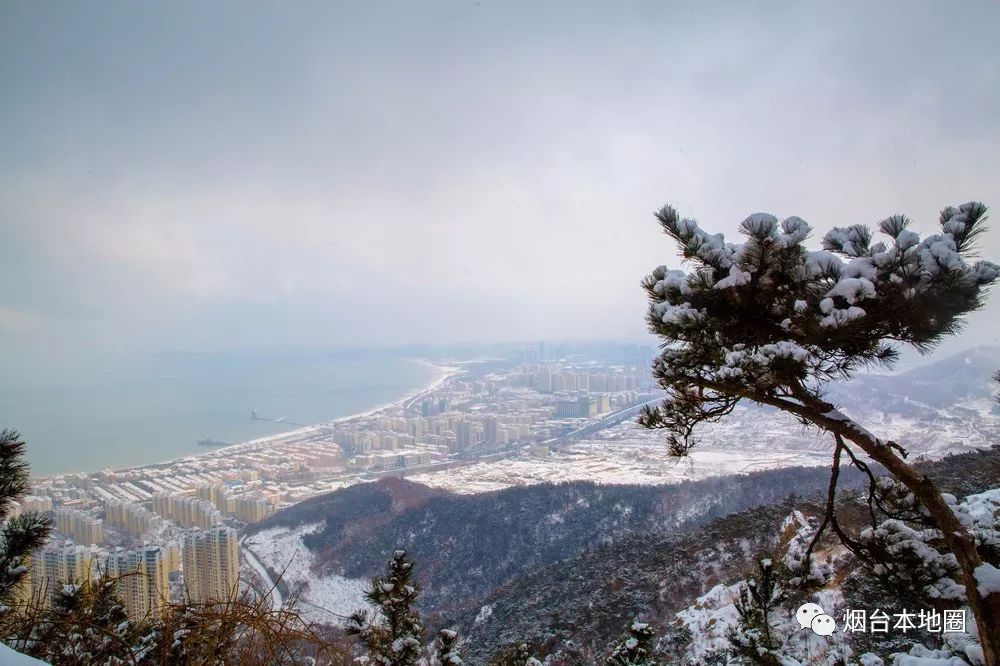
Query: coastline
x=442, y=372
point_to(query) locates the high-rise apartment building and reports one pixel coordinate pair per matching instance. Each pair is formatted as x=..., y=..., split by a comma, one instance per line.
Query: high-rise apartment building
x=220, y=496
x=490, y=430
x=79, y=526
x=544, y=382
x=463, y=434
x=249, y=475
x=251, y=508
x=211, y=564
x=131, y=517
x=172, y=555
x=143, y=579
x=598, y=382
x=187, y=511
x=54, y=565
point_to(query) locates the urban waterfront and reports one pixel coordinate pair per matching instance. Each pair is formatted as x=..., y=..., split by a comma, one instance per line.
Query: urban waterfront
x=159, y=407
x=187, y=513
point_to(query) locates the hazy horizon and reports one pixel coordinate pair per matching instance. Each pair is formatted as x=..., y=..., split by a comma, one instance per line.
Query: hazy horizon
x=220, y=176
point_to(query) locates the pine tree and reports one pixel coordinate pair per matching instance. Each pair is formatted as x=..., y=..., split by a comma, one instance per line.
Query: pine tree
x=446, y=649
x=636, y=649
x=771, y=322
x=394, y=635
x=86, y=624
x=21, y=535
x=760, y=596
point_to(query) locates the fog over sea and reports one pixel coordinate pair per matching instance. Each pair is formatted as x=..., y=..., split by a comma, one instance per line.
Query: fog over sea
x=155, y=408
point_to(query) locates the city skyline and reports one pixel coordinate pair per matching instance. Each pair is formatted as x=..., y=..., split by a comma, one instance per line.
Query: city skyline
x=173, y=530
x=185, y=525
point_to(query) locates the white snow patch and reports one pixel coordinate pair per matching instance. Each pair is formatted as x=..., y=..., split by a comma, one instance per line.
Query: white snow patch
x=736, y=278
x=987, y=579
x=709, y=619
x=485, y=613
x=328, y=599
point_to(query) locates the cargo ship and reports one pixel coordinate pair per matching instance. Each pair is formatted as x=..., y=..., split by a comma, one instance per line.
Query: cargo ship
x=211, y=442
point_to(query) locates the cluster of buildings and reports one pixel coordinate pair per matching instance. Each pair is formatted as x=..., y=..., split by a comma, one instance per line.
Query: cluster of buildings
x=133, y=519
x=143, y=576
x=549, y=379
x=477, y=413
x=170, y=547
x=486, y=414
x=79, y=526
x=187, y=511
x=173, y=527
x=247, y=508
x=148, y=576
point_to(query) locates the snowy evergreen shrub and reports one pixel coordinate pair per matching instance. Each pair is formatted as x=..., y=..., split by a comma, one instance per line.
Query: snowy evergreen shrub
x=754, y=638
x=86, y=624
x=446, y=649
x=636, y=649
x=393, y=635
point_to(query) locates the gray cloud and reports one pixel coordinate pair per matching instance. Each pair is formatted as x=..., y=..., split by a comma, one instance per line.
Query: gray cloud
x=204, y=175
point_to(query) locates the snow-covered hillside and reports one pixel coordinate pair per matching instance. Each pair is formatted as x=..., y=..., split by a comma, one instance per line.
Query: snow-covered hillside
x=321, y=598
x=713, y=621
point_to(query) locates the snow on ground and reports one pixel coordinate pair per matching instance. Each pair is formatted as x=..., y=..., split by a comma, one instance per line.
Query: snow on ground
x=254, y=562
x=709, y=619
x=602, y=462
x=627, y=453
x=711, y=616
x=328, y=599
x=748, y=440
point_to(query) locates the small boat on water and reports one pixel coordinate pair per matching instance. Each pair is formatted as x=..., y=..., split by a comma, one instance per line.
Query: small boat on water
x=211, y=442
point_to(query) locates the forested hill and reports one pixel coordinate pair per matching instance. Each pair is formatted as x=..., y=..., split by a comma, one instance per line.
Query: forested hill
x=468, y=545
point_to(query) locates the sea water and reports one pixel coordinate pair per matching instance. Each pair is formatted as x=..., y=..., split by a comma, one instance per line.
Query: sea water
x=158, y=407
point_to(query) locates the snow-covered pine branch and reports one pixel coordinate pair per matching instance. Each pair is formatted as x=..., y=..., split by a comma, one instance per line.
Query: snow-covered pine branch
x=770, y=313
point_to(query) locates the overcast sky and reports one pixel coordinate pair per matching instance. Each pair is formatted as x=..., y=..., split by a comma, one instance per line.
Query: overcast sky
x=210, y=175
